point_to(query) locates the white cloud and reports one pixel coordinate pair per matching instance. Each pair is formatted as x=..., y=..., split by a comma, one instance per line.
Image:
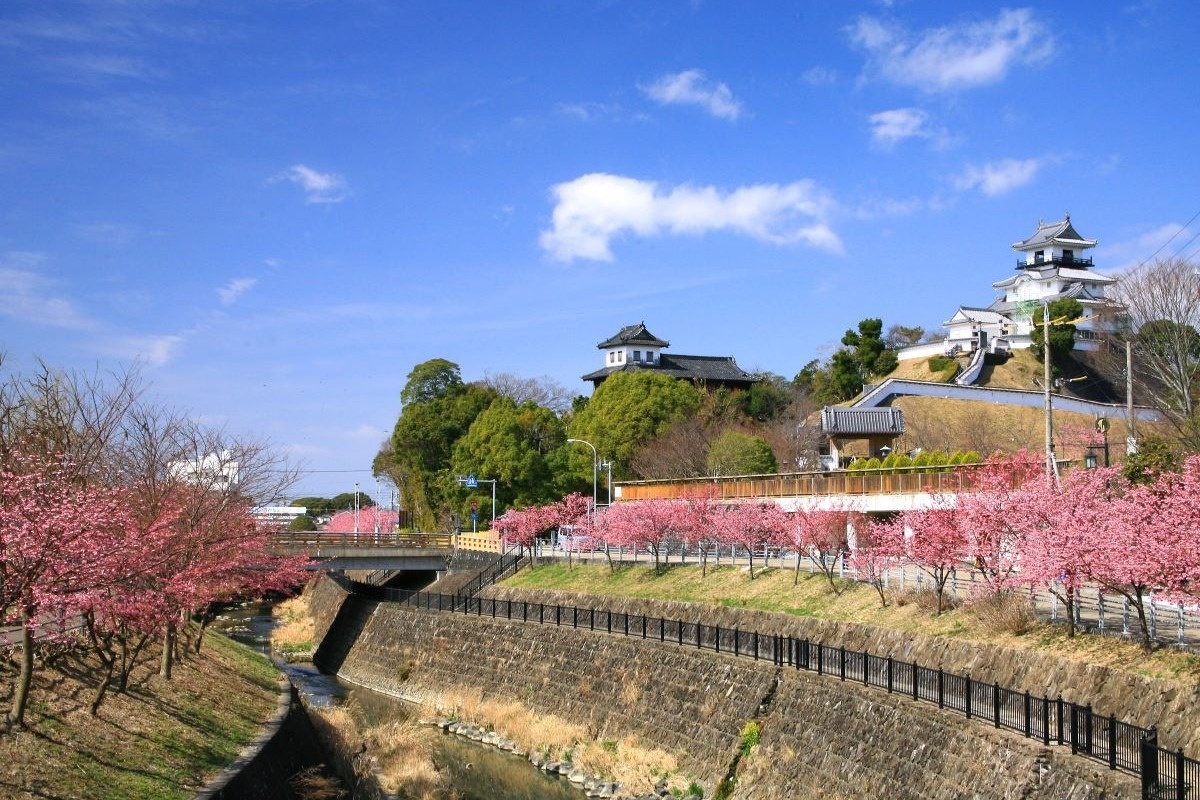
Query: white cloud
x=152, y=350
x=588, y=111
x=819, y=76
x=691, y=87
x=26, y=295
x=235, y=289
x=319, y=187
x=592, y=210
x=955, y=56
x=890, y=127
x=998, y=177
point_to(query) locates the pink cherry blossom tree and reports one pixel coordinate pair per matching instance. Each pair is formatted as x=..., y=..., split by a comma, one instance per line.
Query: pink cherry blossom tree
x=54, y=531
x=698, y=531
x=1140, y=546
x=872, y=556
x=649, y=525
x=993, y=513
x=1058, y=530
x=755, y=526
x=822, y=533
x=934, y=540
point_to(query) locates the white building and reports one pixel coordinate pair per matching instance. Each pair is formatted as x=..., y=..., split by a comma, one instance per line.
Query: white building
x=215, y=471
x=1053, y=265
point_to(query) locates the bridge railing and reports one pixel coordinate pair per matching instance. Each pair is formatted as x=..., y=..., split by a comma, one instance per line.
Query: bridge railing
x=311, y=541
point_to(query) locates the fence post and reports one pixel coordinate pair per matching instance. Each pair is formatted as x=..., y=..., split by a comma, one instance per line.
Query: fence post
x=1181, y=786
x=1045, y=720
x=842, y=661
x=718, y=627
x=1059, y=719
x=737, y=641
x=756, y=636
x=916, y=680
x=1028, y=721
x=941, y=684
x=889, y=674
x=1149, y=758
x=820, y=659
x=1112, y=742
x=1087, y=731
x=1074, y=729
x=969, y=697
x=996, y=702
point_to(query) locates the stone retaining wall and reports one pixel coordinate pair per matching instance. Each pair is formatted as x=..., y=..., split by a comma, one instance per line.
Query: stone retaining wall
x=1138, y=700
x=820, y=737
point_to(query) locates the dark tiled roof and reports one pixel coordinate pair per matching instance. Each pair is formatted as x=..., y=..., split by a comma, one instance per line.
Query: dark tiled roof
x=634, y=334
x=852, y=421
x=1048, y=232
x=717, y=369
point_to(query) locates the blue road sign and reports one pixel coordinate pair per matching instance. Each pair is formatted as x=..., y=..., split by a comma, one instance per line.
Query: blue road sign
x=472, y=482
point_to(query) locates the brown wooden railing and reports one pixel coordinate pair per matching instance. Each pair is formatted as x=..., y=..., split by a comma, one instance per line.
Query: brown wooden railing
x=905, y=480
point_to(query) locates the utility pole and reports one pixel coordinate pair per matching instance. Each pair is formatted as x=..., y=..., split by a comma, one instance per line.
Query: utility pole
x=1051, y=466
x=1131, y=437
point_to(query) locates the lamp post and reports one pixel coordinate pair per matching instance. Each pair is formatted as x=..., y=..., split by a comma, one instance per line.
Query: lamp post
x=595, y=471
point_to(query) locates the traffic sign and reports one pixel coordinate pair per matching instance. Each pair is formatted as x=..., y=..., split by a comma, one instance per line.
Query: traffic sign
x=472, y=482
x=474, y=504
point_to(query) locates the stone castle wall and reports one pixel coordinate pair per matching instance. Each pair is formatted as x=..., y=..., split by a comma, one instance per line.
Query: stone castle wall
x=820, y=737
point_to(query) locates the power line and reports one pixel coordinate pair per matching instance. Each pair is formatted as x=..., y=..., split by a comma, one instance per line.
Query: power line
x=1168, y=241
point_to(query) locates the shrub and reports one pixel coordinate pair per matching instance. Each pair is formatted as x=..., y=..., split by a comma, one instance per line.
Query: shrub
x=1006, y=612
x=750, y=737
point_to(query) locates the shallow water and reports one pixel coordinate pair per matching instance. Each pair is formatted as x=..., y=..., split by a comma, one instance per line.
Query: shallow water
x=478, y=772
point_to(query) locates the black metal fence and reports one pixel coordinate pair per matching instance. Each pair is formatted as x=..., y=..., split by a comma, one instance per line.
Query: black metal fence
x=1166, y=774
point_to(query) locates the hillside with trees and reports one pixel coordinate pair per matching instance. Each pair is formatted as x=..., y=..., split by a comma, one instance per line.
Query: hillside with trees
x=647, y=425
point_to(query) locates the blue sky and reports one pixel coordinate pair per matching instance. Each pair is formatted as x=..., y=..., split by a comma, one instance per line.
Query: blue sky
x=279, y=208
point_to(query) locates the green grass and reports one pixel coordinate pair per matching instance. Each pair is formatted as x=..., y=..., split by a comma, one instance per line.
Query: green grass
x=162, y=740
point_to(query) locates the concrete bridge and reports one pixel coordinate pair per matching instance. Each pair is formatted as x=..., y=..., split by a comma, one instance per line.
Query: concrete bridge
x=369, y=551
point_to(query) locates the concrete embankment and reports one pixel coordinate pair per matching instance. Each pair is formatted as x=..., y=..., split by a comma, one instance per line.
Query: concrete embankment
x=819, y=737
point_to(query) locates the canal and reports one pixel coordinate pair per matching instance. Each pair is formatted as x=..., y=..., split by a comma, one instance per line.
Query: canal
x=478, y=772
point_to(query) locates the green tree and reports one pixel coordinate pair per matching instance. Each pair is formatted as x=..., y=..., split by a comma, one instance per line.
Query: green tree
x=1063, y=316
x=627, y=409
x=766, y=399
x=431, y=380
x=345, y=501
x=438, y=410
x=869, y=348
x=518, y=446
x=302, y=523
x=737, y=453
x=903, y=336
x=1154, y=456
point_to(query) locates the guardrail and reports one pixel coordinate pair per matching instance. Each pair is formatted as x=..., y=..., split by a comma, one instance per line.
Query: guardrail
x=1165, y=774
x=308, y=541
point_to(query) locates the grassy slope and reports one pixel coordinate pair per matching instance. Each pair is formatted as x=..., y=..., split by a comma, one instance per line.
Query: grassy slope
x=934, y=423
x=772, y=590
x=163, y=739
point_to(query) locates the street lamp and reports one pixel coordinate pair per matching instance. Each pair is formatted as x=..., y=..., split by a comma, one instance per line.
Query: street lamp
x=595, y=470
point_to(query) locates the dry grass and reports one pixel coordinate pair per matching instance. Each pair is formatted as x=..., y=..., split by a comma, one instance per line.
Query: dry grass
x=294, y=632
x=401, y=751
x=628, y=761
